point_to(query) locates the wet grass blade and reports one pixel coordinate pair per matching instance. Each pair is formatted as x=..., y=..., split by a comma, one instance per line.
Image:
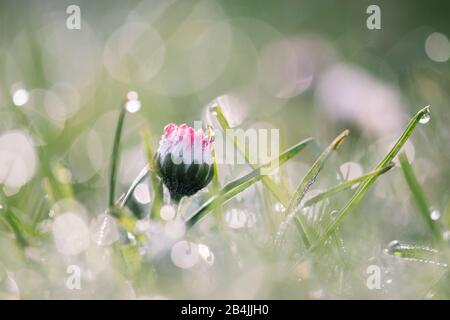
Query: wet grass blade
x=115, y=156
x=303, y=188
x=157, y=187
x=364, y=187
x=236, y=186
x=313, y=172
x=419, y=196
x=415, y=253
x=347, y=185
x=268, y=182
x=122, y=201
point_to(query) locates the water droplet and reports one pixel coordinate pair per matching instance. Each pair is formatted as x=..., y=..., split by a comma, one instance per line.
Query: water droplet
x=184, y=254
x=70, y=233
x=167, y=212
x=132, y=95
x=104, y=230
x=426, y=116
x=435, y=215
x=392, y=247
x=206, y=254
x=279, y=207
x=20, y=97
x=131, y=238
x=334, y=214
x=142, y=193
x=133, y=104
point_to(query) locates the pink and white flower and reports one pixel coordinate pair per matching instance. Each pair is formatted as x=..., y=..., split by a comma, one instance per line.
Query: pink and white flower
x=184, y=160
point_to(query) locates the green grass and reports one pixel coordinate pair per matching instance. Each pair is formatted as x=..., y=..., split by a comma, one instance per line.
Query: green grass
x=419, y=197
x=235, y=187
x=364, y=187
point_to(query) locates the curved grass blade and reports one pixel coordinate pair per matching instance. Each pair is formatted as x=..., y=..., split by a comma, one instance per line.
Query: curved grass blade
x=115, y=156
x=157, y=187
x=14, y=224
x=303, y=188
x=123, y=200
x=414, y=253
x=236, y=186
x=269, y=183
x=362, y=189
x=347, y=185
x=419, y=196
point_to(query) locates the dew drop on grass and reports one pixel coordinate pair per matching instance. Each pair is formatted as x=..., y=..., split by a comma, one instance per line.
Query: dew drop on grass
x=206, y=254
x=392, y=247
x=279, y=207
x=184, y=254
x=104, y=231
x=426, y=117
x=167, y=212
x=142, y=193
x=435, y=214
x=133, y=104
x=70, y=233
x=20, y=97
x=333, y=214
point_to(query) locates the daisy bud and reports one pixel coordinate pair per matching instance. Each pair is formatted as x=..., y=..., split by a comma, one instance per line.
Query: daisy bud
x=184, y=160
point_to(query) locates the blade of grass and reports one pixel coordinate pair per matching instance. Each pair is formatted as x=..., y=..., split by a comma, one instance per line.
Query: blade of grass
x=303, y=188
x=364, y=186
x=415, y=253
x=157, y=187
x=6, y=216
x=236, y=186
x=49, y=191
x=346, y=185
x=11, y=221
x=269, y=183
x=419, y=196
x=140, y=177
x=215, y=183
x=115, y=156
